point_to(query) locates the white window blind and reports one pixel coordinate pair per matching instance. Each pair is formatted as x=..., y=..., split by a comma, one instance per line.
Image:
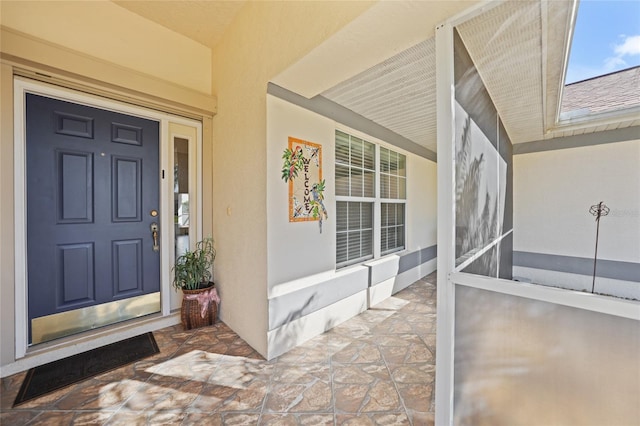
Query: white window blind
x=358, y=200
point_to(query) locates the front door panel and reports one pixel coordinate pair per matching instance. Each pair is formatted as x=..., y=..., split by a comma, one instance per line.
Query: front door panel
x=92, y=183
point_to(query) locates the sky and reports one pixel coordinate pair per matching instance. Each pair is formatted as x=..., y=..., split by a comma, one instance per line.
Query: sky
x=606, y=38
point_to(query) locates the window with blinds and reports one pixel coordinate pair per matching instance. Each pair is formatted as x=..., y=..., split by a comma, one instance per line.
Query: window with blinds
x=354, y=233
x=391, y=227
x=355, y=166
x=393, y=175
x=355, y=192
x=393, y=186
x=360, y=197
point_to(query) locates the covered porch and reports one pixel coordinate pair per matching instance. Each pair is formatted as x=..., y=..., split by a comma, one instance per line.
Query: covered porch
x=376, y=368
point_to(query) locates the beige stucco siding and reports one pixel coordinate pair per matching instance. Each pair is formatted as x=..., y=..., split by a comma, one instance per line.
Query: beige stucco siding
x=107, y=31
x=265, y=38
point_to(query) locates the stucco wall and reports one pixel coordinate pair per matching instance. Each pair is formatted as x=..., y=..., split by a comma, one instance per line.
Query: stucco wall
x=286, y=260
x=297, y=249
x=107, y=31
x=307, y=295
x=553, y=191
x=264, y=39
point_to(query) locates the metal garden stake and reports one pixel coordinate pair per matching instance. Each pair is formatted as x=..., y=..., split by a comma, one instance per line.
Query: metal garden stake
x=598, y=210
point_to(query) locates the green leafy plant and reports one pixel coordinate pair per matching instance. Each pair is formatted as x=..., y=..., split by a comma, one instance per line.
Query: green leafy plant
x=292, y=164
x=192, y=270
x=317, y=204
x=318, y=211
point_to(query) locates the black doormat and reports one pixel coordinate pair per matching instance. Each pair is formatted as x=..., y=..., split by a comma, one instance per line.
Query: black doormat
x=58, y=374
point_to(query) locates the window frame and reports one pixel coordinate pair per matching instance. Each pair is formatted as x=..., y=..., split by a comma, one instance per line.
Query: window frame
x=360, y=259
x=395, y=249
x=376, y=200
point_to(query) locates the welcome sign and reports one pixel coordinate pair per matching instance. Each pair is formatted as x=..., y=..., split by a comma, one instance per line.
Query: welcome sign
x=302, y=169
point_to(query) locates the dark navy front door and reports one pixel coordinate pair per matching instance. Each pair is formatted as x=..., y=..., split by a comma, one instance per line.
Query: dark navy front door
x=92, y=195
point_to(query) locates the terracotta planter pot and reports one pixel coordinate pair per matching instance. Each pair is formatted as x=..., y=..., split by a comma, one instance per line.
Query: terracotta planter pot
x=199, y=307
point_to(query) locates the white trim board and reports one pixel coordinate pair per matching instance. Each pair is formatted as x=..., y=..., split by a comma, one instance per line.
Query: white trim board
x=575, y=299
x=577, y=141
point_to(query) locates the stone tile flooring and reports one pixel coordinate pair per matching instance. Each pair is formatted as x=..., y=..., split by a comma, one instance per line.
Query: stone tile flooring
x=375, y=369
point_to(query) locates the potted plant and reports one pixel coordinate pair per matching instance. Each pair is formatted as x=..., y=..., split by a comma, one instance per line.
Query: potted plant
x=192, y=274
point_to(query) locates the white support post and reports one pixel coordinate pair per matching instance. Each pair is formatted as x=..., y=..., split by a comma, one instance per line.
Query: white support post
x=445, y=96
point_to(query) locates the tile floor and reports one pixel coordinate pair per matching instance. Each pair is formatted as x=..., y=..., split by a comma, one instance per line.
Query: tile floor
x=375, y=369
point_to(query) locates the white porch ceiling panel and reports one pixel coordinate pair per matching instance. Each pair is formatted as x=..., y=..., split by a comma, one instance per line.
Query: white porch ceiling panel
x=398, y=94
x=513, y=52
x=505, y=44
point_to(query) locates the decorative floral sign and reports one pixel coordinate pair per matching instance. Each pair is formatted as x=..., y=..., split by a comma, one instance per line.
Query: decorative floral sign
x=302, y=169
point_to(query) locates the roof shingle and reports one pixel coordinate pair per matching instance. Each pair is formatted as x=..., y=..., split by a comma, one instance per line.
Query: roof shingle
x=609, y=92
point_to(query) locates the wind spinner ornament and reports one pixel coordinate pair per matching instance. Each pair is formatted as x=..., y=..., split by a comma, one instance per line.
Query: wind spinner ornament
x=597, y=210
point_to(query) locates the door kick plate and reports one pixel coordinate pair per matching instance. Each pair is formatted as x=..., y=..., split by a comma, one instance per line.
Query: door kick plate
x=50, y=327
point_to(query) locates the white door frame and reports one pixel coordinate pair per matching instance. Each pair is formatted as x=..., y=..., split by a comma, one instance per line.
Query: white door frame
x=22, y=86
x=193, y=136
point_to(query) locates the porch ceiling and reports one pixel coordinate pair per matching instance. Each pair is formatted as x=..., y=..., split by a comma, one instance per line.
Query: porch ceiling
x=518, y=47
x=204, y=21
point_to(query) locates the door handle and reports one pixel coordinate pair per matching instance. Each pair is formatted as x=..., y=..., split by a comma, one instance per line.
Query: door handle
x=154, y=234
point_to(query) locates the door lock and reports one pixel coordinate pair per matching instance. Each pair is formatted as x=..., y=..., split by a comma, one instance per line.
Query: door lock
x=154, y=234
